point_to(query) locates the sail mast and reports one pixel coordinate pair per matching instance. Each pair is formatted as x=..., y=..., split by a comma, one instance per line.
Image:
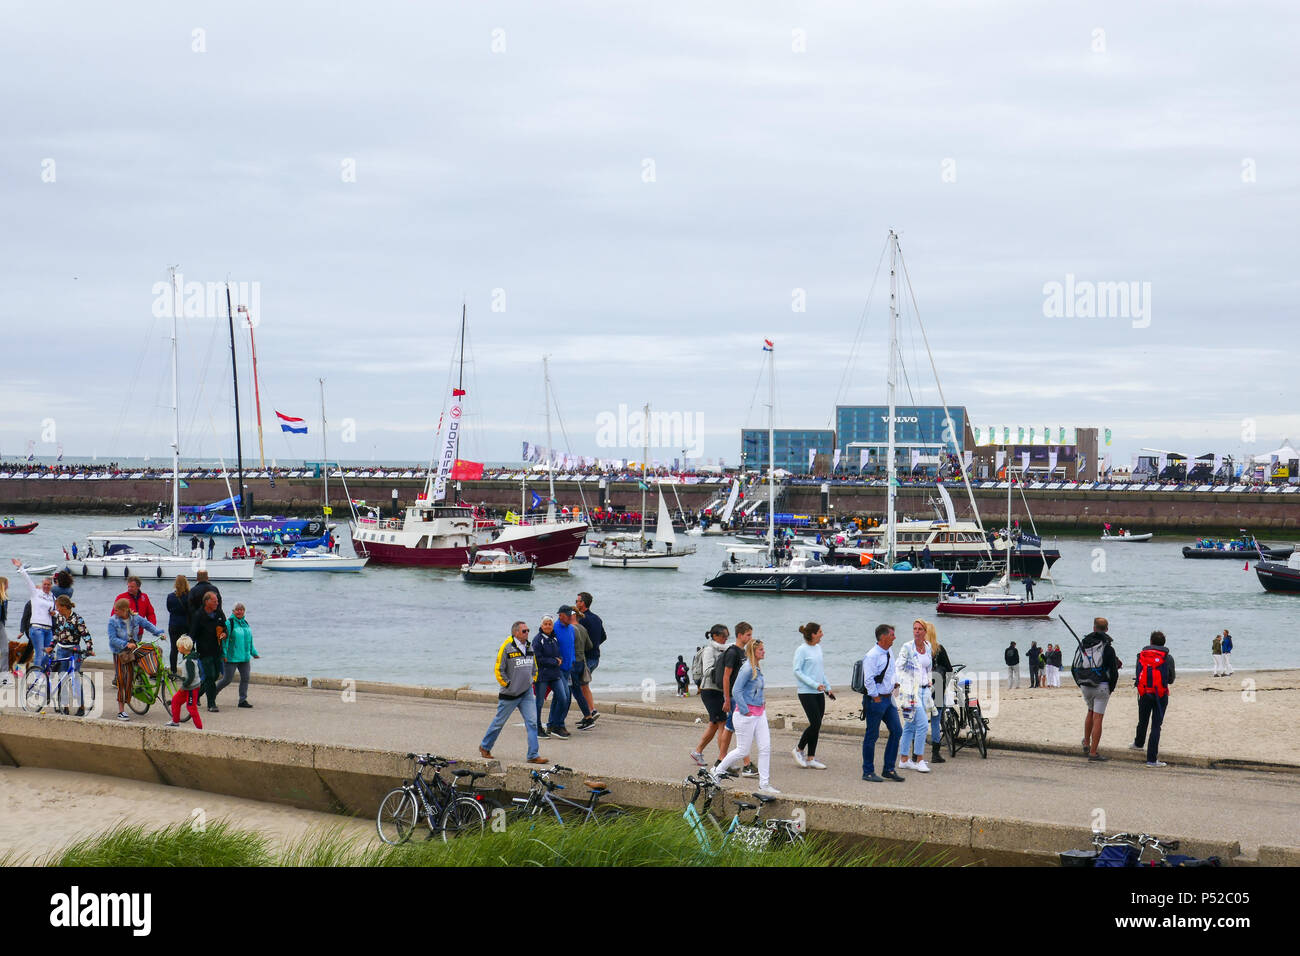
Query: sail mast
x=550, y=453
x=460, y=387
x=234, y=374
x=892, y=382
x=644, y=454
x=176, y=425
x=324, y=454
x=257, y=391
x=771, y=454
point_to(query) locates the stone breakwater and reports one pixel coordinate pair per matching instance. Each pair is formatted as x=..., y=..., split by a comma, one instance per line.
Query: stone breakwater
x=1057, y=510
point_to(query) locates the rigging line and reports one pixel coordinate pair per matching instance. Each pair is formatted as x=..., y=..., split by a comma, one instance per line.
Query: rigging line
x=135, y=377
x=758, y=380
x=851, y=361
x=947, y=414
x=567, y=447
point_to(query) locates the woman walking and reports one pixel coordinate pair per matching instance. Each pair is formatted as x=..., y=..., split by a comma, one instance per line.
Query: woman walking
x=1216, y=651
x=178, y=617
x=750, y=719
x=237, y=651
x=810, y=674
x=39, y=631
x=914, y=667
x=122, y=628
x=191, y=682
x=942, y=668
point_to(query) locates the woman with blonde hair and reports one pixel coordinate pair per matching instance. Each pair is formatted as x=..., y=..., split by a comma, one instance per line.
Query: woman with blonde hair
x=178, y=617
x=915, y=700
x=123, y=627
x=942, y=668
x=750, y=719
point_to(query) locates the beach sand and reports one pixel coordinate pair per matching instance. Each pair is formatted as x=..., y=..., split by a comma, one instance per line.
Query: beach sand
x=48, y=809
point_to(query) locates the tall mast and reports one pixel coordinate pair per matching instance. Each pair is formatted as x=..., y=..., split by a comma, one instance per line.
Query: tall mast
x=460, y=387
x=234, y=374
x=176, y=424
x=892, y=381
x=645, y=453
x=324, y=454
x=771, y=454
x=257, y=392
x=1007, y=540
x=550, y=453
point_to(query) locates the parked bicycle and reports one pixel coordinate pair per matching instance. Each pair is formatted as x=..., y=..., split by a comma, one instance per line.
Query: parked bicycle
x=701, y=793
x=61, y=684
x=429, y=798
x=543, y=800
x=967, y=716
x=1126, y=850
x=153, y=683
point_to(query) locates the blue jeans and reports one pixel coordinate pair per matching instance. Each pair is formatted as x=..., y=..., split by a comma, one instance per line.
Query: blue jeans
x=527, y=706
x=913, y=739
x=1151, y=709
x=41, y=638
x=875, y=713
x=559, y=706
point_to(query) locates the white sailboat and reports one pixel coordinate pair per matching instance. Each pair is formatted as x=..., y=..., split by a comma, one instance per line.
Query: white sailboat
x=317, y=558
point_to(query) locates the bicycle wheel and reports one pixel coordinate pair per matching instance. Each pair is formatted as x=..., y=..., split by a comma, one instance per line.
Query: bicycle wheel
x=950, y=730
x=397, y=815
x=785, y=833
x=36, y=691
x=143, y=692
x=464, y=816
x=978, y=731
x=74, y=691
x=607, y=812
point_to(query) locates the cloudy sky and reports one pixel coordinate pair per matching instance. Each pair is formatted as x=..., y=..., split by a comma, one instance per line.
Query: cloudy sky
x=644, y=191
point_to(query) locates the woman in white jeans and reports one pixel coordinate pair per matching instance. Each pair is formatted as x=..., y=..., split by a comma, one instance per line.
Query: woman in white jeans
x=750, y=719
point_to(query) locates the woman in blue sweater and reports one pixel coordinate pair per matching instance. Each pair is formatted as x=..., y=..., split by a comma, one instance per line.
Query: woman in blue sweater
x=814, y=688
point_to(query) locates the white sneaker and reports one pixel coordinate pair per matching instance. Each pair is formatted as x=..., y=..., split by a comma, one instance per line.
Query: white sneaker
x=920, y=766
x=816, y=764
x=770, y=790
x=698, y=758
x=171, y=723
x=799, y=758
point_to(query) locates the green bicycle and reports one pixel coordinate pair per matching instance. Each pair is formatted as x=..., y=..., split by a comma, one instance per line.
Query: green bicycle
x=157, y=688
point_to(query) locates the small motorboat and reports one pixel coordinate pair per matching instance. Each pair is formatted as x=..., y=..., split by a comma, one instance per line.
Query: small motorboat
x=498, y=567
x=40, y=570
x=19, y=528
x=1283, y=576
x=1125, y=537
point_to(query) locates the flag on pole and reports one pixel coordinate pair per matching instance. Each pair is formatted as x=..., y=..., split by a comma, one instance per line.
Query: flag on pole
x=767, y=345
x=288, y=423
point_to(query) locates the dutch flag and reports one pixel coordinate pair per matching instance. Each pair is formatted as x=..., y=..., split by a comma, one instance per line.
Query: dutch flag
x=767, y=345
x=288, y=423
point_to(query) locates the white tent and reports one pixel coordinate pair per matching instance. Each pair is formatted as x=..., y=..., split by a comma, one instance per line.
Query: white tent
x=1283, y=454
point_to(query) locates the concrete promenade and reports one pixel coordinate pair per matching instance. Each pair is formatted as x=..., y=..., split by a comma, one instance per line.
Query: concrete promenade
x=327, y=747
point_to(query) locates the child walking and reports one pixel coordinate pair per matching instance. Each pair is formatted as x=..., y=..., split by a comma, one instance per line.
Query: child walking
x=191, y=683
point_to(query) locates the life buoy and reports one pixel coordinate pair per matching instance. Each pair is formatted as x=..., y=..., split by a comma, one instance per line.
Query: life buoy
x=126, y=570
x=160, y=570
x=105, y=574
x=84, y=570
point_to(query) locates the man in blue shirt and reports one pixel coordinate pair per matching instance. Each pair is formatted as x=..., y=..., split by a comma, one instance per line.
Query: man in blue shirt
x=596, y=630
x=878, y=705
x=552, y=677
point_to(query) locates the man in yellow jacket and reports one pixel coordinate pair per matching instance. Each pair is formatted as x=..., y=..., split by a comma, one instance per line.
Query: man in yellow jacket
x=514, y=673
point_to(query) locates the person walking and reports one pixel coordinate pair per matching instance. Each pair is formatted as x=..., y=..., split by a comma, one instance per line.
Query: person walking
x=1012, y=657
x=1096, y=675
x=1227, y=653
x=239, y=653
x=733, y=658
x=190, y=682
x=596, y=629
x=1033, y=656
x=579, y=675
x=750, y=720
x=1216, y=652
x=814, y=688
x=551, y=678
x=202, y=588
x=68, y=632
x=514, y=670
x=878, y=707
x=914, y=667
x=682, y=674
x=124, y=627
x=40, y=631
x=938, y=690
x=62, y=584
x=707, y=657
x=138, y=600
x=1155, y=674
x=178, y=618
x=208, y=628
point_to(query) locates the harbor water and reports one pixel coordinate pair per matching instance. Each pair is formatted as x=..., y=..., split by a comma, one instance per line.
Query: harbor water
x=425, y=626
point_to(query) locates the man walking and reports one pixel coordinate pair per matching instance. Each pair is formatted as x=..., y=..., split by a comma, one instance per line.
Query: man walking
x=514, y=673
x=1033, y=664
x=596, y=630
x=1097, y=675
x=208, y=629
x=711, y=693
x=1155, y=672
x=579, y=675
x=1227, y=653
x=139, y=601
x=1012, y=657
x=878, y=706
x=551, y=677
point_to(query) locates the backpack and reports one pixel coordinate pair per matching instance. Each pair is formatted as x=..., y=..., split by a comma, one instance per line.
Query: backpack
x=708, y=657
x=697, y=667
x=719, y=670
x=1087, y=669
x=858, y=682
x=1150, y=676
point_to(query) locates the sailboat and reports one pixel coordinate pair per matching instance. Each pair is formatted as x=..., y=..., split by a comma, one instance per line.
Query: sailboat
x=302, y=558
x=996, y=600
x=804, y=572
x=433, y=533
x=121, y=560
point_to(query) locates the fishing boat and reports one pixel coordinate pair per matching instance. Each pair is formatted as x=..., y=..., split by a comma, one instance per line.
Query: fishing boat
x=1283, y=576
x=19, y=528
x=302, y=558
x=498, y=567
x=996, y=600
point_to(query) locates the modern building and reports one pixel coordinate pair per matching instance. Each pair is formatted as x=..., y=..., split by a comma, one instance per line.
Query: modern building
x=792, y=448
x=1066, y=454
x=923, y=437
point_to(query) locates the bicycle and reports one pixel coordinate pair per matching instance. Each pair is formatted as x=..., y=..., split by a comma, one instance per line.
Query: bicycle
x=444, y=809
x=72, y=684
x=542, y=797
x=756, y=836
x=1131, y=847
x=967, y=716
x=149, y=689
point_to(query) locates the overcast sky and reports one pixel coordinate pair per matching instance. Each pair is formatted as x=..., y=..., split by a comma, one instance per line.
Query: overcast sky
x=641, y=190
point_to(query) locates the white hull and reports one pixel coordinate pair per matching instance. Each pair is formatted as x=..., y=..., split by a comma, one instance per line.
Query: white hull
x=1126, y=538
x=165, y=566
x=314, y=562
x=639, y=559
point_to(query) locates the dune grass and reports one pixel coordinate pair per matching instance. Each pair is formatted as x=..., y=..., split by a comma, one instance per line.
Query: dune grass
x=640, y=839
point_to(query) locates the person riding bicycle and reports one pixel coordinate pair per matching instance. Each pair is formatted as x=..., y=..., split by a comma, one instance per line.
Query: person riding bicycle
x=122, y=628
x=69, y=630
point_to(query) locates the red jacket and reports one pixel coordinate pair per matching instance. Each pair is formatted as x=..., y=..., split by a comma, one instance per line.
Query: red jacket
x=140, y=605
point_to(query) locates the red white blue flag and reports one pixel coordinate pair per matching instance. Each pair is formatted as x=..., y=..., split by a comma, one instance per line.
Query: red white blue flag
x=767, y=345
x=288, y=423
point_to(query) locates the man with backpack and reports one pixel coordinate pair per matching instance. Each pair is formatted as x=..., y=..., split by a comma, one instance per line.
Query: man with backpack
x=876, y=682
x=1155, y=672
x=705, y=677
x=1096, y=672
x=1012, y=657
